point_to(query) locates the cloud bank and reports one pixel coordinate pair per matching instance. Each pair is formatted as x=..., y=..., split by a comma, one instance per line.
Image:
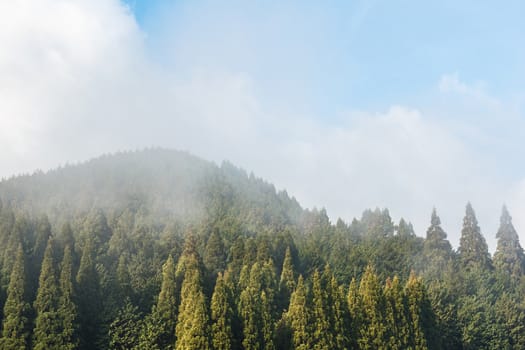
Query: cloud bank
x=78, y=80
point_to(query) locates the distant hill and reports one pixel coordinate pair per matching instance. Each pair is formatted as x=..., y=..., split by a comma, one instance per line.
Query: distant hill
x=159, y=183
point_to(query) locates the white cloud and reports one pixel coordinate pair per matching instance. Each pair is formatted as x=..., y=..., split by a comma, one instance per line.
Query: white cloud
x=77, y=81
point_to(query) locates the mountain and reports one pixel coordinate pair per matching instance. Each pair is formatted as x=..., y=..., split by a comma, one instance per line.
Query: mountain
x=161, y=184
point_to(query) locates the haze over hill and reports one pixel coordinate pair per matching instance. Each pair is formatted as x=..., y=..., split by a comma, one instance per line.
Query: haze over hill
x=347, y=105
x=165, y=184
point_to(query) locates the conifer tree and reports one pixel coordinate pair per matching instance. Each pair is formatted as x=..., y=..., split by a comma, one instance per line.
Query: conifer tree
x=214, y=255
x=355, y=309
x=88, y=299
x=509, y=257
x=437, y=251
x=287, y=280
x=405, y=229
x=322, y=335
x=222, y=315
x=159, y=327
x=339, y=315
x=124, y=330
x=418, y=312
x=46, y=335
x=373, y=330
x=267, y=322
x=192, y=330
x=398, y=332
x=67, y=310
x=473, y=249
x=250, y=314
x=15, y=322
x=298, y=316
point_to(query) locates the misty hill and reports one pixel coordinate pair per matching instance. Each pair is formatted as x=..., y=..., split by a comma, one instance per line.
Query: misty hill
x=158, y=183
x=159, y=249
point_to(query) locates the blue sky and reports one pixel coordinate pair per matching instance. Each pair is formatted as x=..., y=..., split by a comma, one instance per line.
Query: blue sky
x=346, y=104
x=363, y=54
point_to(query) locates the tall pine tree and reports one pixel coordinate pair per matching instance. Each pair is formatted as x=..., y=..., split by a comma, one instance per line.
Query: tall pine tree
x=473, y=249
x=67, y=310
x=509, y=257
x=46, y=335
x=15, y=323
x=222, y=315
x=193, y=329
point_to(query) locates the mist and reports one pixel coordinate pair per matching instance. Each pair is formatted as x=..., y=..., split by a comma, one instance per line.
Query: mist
x=84, y=78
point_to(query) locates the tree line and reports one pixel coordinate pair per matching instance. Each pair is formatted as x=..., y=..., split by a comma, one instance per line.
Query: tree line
x=111, y=281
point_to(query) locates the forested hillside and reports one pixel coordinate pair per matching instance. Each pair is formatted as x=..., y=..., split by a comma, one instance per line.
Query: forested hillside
x=158, y=249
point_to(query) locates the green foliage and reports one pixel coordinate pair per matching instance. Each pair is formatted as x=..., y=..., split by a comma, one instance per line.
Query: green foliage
x=67, y=310
x=509, y=257
x=193, y=329
x=124, y=330
x=47, y=323
x=222, y=314
x=473, y=250
x=134, y=235
x=15, y=323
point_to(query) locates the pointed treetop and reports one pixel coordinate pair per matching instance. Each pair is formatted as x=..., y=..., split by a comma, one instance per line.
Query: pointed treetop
x=435, y=221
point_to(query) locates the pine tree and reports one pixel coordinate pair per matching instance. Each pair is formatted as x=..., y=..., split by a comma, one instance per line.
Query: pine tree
x=192, y=330
x=355, y=309
x=397, y=326
x=298, y=316
x=473, y=250
x=437, y=251
x=267, y=322
x=322, y=335
x=214, y=255
x=89, y=299
x=405, y=229
x=339, y=315
x=15, y=322
x=159, y=327
x=287, y=280
x=67, y=310
x=46, y=334
x=250, y=314
x=124, y=330
x=373, y=329
x=418, y=312
x=509, y=257
x=222, y=315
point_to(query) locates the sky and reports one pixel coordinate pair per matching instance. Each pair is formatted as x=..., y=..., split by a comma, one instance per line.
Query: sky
x=347, y=105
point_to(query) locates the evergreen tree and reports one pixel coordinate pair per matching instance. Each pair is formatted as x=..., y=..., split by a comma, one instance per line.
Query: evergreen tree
x=287, y=280
x=214, y=255
x=373, y=332
x=298, y=316
x=89, y=300
x=322, y=333
x=46, y=334
x=356, y=316
x=15, y=322
x=395, y=319
x=420, y=315
x=405, y=229
x=267, y=322
x=222, y=315
x=159, y=328
x=473, y=250
x=193, y=329
x=509, y=257
x=437, y=251
x=124, y=330
x=250, y=314
x=67, y=310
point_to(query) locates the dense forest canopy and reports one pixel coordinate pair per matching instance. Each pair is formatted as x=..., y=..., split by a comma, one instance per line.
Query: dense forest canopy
x=158, y=249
